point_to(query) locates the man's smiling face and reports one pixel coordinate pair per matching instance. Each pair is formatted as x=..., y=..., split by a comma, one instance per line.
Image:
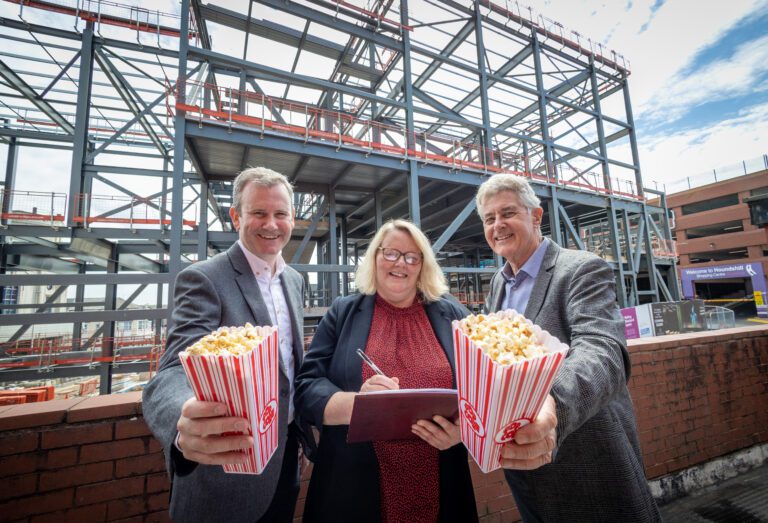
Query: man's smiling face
x=511, y=229
x=265, y=220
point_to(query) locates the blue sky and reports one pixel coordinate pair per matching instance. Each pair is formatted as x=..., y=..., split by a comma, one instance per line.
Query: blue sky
x=699, y=82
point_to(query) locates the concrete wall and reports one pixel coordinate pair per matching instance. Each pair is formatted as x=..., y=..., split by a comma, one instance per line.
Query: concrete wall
x=698, y=397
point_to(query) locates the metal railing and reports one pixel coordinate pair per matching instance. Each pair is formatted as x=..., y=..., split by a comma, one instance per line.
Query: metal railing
x=718, y=317
x=734, y=170
x=133, y=211
x=33, y=207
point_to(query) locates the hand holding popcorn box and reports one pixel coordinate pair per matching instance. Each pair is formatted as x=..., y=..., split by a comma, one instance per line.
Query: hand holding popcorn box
x=505, y=366
x=238, y=366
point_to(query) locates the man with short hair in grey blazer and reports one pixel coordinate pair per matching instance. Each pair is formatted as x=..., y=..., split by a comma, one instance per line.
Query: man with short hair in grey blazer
x=580, y=459
x=248, y=283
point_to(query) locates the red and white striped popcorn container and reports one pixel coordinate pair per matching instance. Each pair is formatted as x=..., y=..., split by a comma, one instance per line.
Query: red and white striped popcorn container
x=248, y=385
x=496, y=400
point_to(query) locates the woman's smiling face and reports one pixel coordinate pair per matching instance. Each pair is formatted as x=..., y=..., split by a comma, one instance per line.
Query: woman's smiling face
x=397, y=281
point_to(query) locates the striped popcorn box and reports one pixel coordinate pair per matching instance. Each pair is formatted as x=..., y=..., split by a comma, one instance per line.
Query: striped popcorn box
x=238, y=366
x=497, y=399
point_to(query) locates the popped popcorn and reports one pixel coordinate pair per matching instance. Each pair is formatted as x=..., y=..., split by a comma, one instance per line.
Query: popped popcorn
x=506, y=339
x=227, y=340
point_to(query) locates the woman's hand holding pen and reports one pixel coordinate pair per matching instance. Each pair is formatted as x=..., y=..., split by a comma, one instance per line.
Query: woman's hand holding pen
x=380, y=382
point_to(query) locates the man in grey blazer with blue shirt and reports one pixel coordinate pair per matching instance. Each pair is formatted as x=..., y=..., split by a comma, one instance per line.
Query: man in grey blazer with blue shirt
x=250, y=282
x=580, y=459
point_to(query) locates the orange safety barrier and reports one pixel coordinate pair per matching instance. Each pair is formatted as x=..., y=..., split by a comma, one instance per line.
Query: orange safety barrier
x=31, y=216
x=140, y=221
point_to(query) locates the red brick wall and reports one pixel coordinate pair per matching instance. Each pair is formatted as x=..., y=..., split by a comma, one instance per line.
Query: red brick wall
x=700, y=395
x=697, y=396
x=86, y=459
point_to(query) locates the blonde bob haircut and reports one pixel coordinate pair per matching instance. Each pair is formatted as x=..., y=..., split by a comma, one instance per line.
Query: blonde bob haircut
x=431, y=282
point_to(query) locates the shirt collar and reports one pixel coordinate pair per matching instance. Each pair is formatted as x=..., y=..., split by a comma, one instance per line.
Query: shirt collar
x=260, y=268
x=531, y=266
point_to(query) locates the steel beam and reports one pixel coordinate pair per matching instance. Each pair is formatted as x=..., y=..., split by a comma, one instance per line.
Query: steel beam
x=31, y=95
x=454, y=225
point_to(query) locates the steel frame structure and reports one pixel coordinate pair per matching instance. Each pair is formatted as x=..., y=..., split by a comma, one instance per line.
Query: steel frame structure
x=393, y=109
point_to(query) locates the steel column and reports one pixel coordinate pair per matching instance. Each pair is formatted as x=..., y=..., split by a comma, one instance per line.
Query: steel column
x=633, y=137
x=487, y=140
x=108, y=327
x=333, y=241
x=414, y=206
x=80, y=145
x=177, y=205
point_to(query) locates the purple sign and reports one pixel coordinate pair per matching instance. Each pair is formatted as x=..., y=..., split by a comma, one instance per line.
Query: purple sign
x=754, y=271
x=631, y=329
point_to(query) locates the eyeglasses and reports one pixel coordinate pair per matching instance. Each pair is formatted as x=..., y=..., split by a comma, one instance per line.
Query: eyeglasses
x=392, y=255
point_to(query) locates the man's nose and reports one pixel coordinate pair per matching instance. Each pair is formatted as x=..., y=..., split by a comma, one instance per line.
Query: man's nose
x=270, y=222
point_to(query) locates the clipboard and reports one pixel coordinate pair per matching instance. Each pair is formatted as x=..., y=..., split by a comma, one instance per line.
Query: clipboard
x=388, y=415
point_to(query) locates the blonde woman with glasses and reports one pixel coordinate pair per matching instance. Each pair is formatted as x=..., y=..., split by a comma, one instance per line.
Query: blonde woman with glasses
x=402, y=320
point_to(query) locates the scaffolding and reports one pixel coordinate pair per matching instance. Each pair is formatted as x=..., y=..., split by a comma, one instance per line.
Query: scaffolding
x=374, y=110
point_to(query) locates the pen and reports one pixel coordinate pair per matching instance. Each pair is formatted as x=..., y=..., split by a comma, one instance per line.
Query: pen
x=369, y=362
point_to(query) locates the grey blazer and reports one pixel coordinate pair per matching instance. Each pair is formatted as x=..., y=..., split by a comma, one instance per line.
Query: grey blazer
x=220, y=291
x=597, y=473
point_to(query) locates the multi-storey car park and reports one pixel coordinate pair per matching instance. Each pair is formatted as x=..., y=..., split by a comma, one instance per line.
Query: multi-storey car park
x=373, y=110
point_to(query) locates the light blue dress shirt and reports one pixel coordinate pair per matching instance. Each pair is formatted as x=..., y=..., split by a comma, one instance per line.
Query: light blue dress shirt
x=518, y=287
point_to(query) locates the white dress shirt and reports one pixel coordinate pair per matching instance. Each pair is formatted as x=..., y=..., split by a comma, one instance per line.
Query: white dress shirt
x=272, y=292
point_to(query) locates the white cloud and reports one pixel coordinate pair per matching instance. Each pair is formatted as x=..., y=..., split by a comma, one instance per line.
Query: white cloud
x=696, y=152
x=722, y=79
x=659, y=45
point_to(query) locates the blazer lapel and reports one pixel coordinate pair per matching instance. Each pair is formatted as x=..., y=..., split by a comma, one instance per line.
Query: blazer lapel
x=541, y=285
x=246, y=281
x=357, y=327
x=497, y=292
x=441, y=325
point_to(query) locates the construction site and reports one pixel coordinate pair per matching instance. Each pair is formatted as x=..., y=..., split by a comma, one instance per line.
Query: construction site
x=123, y=127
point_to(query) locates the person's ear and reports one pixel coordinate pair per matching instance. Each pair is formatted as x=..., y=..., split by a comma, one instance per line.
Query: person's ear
x=537, y=214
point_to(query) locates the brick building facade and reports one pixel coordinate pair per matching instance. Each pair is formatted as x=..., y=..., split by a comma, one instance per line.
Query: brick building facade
x=713, y=230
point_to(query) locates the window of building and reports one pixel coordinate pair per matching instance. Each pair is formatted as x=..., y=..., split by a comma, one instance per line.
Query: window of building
x=10, y=297
x=712, y=203
x=759, y=191
x=704, y=257
x=712, y=230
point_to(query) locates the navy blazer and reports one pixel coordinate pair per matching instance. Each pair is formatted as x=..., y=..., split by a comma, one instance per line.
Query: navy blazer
x=345, y=478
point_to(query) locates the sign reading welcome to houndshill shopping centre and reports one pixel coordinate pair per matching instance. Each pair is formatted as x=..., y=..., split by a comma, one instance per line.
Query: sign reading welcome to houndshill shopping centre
x=754, y=271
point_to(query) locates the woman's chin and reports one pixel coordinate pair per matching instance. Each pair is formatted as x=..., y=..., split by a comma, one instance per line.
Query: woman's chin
x=398, y=296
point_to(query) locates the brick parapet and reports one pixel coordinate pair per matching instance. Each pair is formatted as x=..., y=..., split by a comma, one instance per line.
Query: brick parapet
x=697, y=396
